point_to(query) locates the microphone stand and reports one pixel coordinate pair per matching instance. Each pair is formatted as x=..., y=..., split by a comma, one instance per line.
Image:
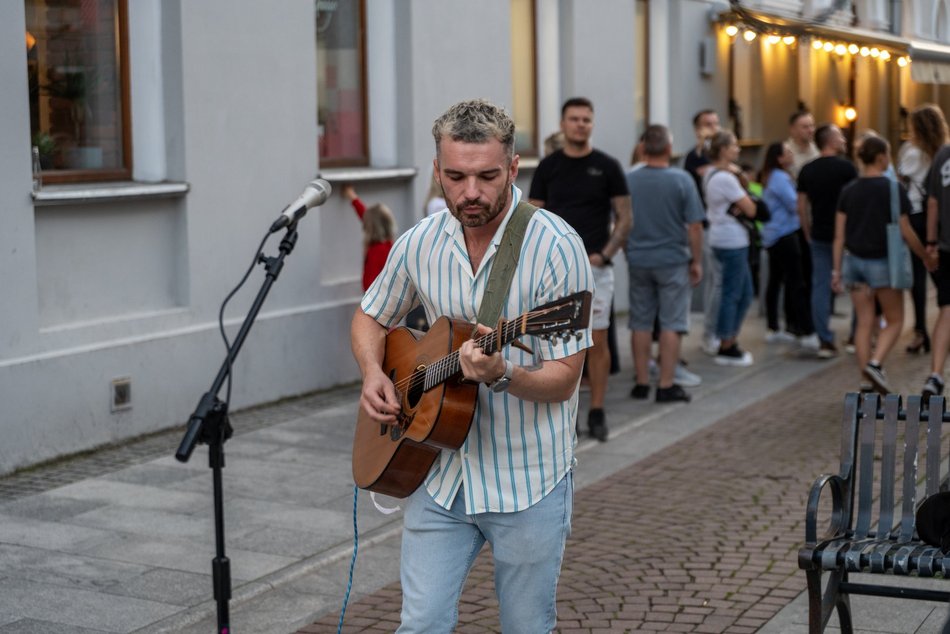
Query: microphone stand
x=209, y=424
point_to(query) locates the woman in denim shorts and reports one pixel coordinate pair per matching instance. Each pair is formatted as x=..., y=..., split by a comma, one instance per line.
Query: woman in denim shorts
x=860, y=259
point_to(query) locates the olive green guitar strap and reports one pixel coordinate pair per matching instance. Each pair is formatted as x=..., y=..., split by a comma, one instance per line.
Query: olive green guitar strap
x=506, y=261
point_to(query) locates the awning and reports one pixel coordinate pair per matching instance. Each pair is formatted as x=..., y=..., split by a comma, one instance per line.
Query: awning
x=930, y=62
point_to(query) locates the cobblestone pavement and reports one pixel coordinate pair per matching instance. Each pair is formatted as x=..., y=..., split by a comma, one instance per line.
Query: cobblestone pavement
x=699, y=537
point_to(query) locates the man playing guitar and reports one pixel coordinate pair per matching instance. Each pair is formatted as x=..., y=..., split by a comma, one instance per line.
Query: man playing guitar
x=510, y=483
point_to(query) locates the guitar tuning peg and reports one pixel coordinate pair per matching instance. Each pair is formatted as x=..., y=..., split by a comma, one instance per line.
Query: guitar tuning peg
x=578, y=335
x=566, y=338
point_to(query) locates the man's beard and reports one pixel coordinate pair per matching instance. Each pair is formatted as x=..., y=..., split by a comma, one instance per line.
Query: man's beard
x=488, y=213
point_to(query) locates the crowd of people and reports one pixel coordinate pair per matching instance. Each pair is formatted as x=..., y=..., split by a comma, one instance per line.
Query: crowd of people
x=820, y=215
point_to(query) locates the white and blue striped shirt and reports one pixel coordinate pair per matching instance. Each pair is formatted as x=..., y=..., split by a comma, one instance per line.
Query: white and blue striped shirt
x=517, y=450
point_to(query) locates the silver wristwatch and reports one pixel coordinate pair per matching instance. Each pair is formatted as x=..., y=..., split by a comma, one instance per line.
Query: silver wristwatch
x=501, y=383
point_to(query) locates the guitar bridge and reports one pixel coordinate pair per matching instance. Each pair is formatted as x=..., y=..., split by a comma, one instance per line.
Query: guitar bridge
x=397, y=429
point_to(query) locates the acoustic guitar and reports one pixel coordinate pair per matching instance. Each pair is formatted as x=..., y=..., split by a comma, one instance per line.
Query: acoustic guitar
x=438, y=404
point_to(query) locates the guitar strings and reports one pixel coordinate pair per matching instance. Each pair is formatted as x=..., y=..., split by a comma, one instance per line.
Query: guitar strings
x=450, y=361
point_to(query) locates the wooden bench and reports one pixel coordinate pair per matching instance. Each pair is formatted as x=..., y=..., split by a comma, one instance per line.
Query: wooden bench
x=885, y=452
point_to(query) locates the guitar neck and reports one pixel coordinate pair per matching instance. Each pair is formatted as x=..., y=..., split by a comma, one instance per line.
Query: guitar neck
x=450, y=366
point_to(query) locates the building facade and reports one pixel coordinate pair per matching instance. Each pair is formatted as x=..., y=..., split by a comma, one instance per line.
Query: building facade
x=169, y=134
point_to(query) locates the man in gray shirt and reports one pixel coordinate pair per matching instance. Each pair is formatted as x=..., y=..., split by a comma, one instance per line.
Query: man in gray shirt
x=664, y=254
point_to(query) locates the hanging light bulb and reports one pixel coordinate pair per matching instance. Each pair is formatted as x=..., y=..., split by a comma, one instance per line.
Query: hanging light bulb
x=749, y=35
x=850, y=114
x=902, y=61
x=853, y=49
x=885, y=55
x=865, y=51
x=828, y=47
x=788, y=40
x=841, y=49
x=875, y=52
x=773, y=39
x=732, y=30
x=817, y=44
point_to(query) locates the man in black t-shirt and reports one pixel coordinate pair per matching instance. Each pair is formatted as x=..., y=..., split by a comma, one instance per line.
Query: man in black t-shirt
x=588, y=189
x=819, y=184
x=705, y=124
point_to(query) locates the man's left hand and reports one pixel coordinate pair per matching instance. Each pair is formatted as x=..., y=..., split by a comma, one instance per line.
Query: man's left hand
x=476, y=365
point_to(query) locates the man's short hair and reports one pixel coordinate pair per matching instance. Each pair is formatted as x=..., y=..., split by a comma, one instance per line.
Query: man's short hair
x=576, y=102
x=656, y=140
x=824, y=134
x=475, y=121
x=699, y=115
x=798, y=114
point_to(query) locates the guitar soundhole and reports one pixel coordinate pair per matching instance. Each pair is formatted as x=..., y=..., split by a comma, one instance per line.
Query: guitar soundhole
x=416, y=386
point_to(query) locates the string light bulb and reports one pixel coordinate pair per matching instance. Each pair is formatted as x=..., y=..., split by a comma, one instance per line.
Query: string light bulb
x=885, y=55
x=732, y=30
x=817, y=44
x=875, y=52
x=749, y=35
x=853, y=49
x=841, y=49
x=774, y=39
x=865, y=51
x=902, y=61
x=788, y=40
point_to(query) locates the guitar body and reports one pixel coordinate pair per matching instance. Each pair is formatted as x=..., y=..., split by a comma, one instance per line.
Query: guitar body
x=394, y=459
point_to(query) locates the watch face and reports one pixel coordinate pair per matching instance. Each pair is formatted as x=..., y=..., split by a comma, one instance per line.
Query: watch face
x=501, y=384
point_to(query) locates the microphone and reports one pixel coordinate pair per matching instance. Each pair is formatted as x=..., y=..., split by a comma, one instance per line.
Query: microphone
x=314, y=194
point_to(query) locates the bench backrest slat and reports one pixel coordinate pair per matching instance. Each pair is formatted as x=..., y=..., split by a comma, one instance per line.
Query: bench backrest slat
x=866, y=465
x=888, y=462
x=934, y=427
x=911, y=435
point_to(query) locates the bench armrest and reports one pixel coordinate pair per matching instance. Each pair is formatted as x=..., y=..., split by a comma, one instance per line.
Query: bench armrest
x=836, y=527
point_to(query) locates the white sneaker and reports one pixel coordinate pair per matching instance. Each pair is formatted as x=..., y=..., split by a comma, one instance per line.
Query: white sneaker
x=778, y=336
x=685, y=378
x=710, y=345
x=810, y=342
x=681, y=376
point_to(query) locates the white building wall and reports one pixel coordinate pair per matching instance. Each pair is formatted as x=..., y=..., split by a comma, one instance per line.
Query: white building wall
x=224, y=99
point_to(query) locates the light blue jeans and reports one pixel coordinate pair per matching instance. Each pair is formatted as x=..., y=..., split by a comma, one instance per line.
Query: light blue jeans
x=439, y=546
x=821, y=289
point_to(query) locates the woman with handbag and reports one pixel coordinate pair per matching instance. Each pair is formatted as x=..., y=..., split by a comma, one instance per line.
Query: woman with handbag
x=726, y=199
x=869, y=262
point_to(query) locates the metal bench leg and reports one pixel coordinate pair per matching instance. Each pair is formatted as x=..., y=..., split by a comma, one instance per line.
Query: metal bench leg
x=821, y=605
x=843, y=604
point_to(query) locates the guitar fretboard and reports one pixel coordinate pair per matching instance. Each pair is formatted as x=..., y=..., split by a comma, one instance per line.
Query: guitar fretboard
x=449, y=365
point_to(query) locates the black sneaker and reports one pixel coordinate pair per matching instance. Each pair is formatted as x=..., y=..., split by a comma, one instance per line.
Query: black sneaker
x=826, y=350
x=670, y=394
x=640, y=391
x=597, y=423
x=875, y=374
x=933, y=386
x=733, y=356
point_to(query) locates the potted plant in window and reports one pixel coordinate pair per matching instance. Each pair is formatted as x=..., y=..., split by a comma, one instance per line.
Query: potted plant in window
x=46, y=145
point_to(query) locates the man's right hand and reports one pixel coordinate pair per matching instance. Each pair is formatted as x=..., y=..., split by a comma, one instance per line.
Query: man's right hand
x=379, y=398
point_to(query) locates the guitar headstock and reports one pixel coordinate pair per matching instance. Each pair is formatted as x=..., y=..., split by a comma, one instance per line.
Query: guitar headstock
x=564, y=317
